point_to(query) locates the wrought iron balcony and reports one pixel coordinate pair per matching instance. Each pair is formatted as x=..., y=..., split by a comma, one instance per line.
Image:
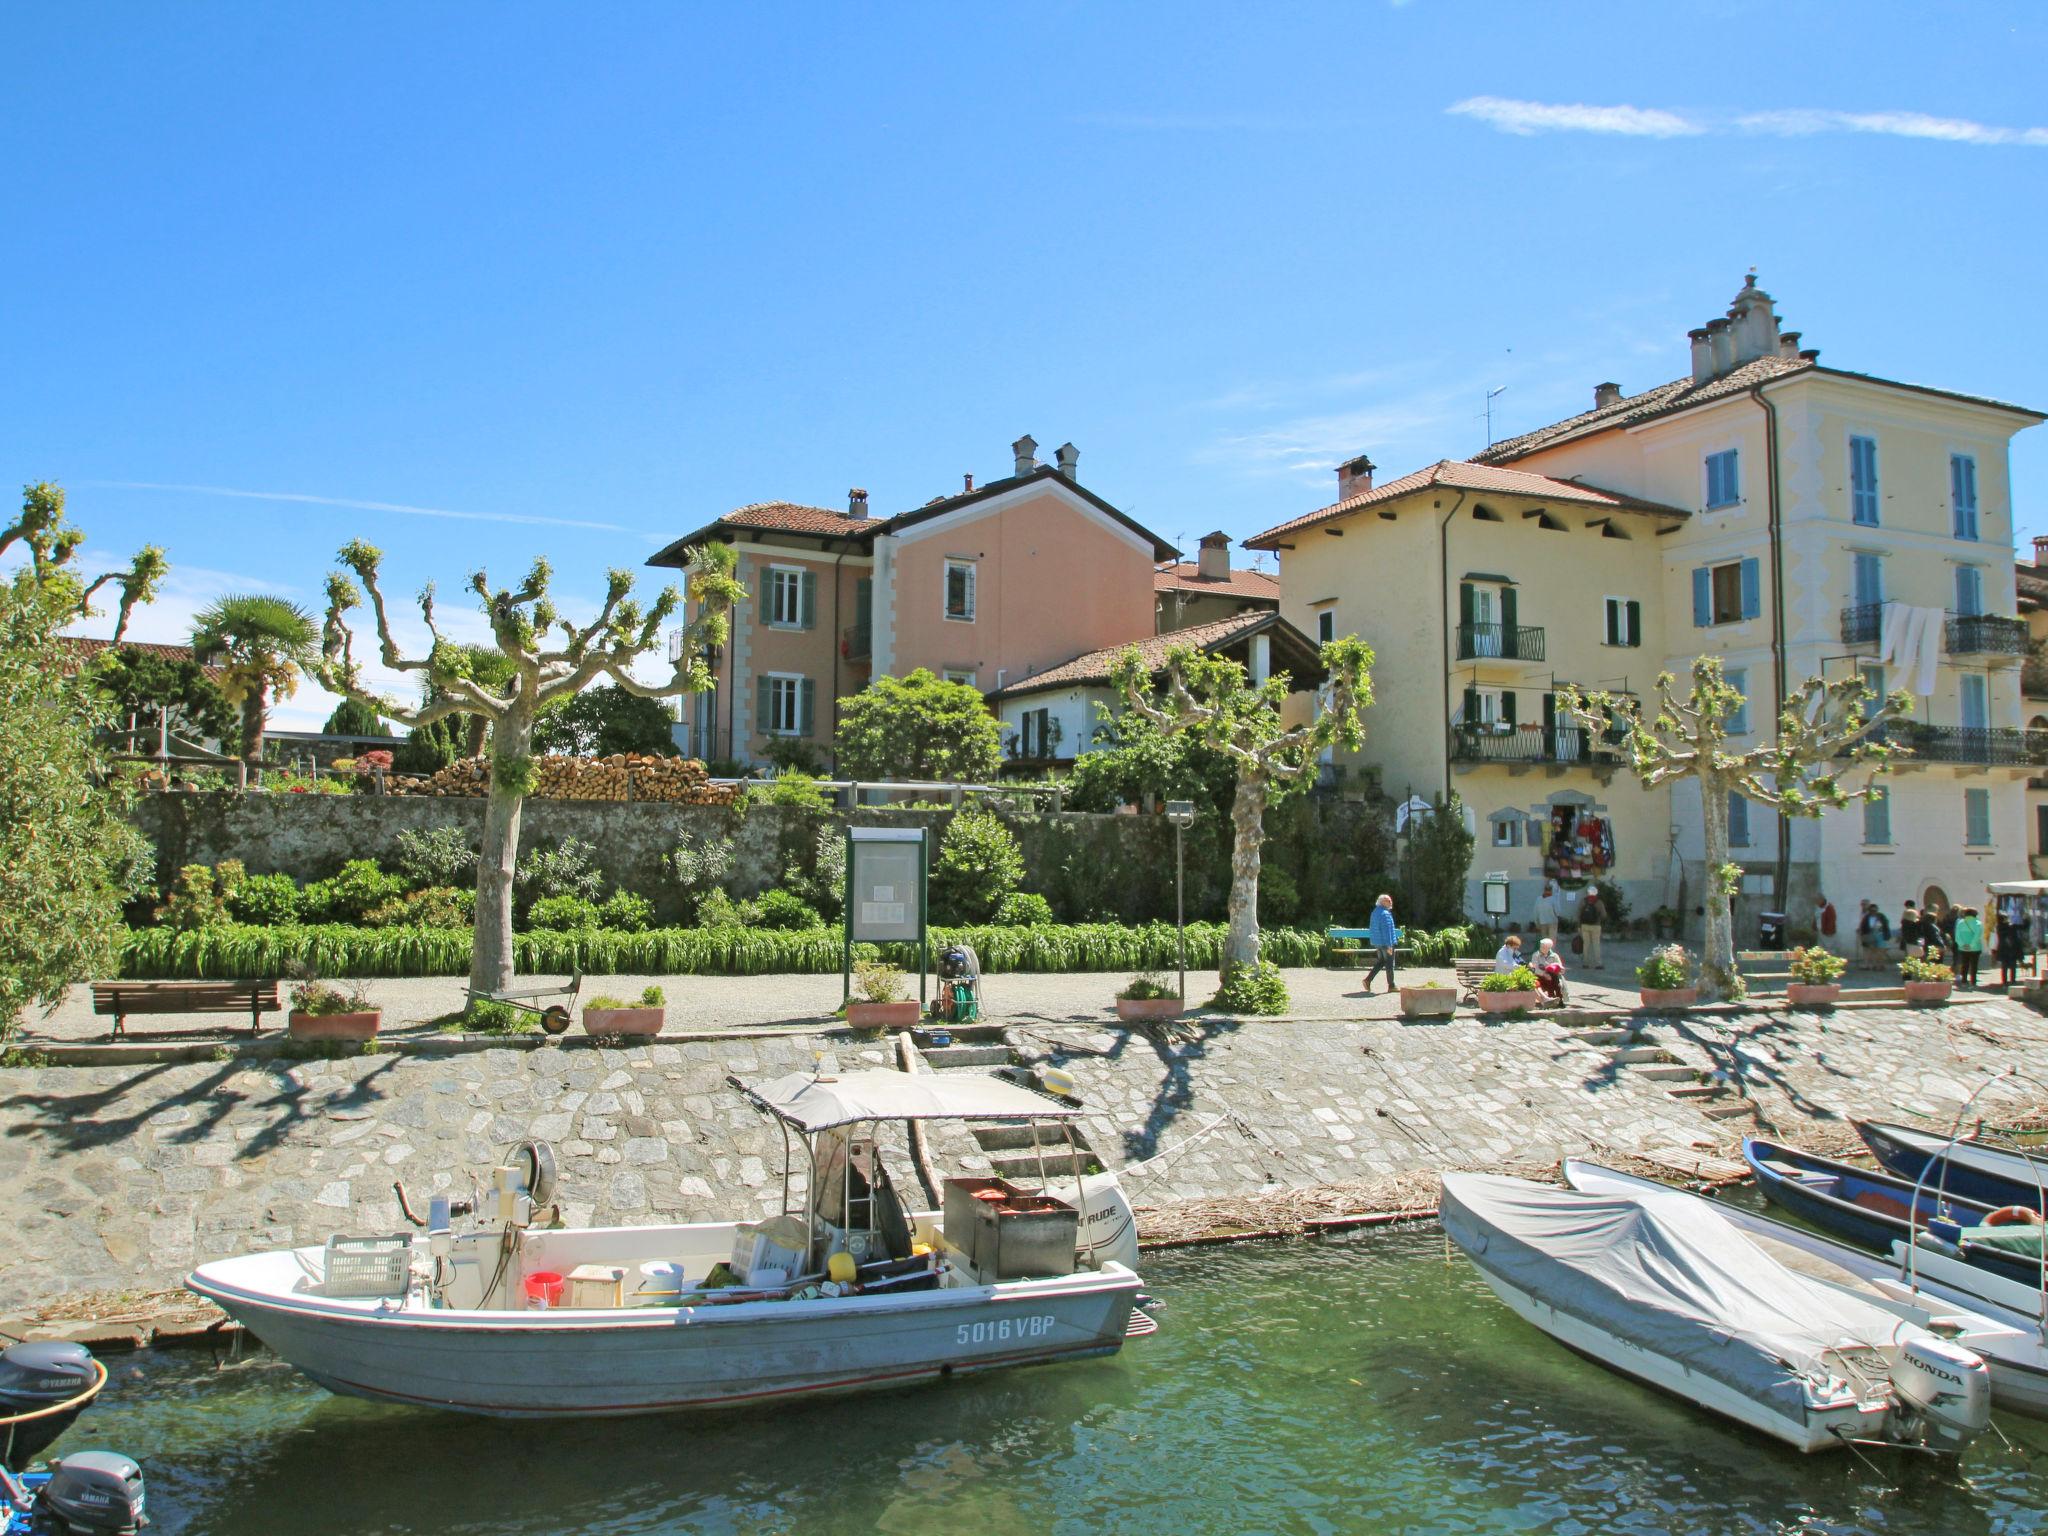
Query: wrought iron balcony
x=2001, y=746
x=1862, y=624
x=856, y=642
x=1520, y=744
x=1985, y=634
x=1509, y=642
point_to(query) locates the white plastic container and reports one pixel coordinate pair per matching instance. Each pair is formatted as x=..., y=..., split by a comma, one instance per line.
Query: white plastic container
x=660, y=1284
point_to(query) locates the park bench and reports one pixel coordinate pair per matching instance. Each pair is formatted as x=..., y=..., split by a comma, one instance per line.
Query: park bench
x=1351, y=948
x=121, y=998
x=1469, y=974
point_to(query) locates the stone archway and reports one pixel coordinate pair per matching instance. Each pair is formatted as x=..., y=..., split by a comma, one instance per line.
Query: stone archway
x=1934, y=896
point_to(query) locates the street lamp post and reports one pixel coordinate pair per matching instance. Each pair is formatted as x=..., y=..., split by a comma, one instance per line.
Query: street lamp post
x=1182, y=814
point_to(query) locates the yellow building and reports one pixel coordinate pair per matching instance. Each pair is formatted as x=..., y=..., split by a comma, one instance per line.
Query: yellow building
x=1762, y=508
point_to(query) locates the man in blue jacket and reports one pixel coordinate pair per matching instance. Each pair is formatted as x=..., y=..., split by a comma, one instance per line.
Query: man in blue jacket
x=1384, y=936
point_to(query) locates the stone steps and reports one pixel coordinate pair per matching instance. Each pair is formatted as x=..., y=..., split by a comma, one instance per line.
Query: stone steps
x=946, y=1056
x=1025, y=1169
x=1674, y=1072
x=1633, y=1054
x=1010, y=1138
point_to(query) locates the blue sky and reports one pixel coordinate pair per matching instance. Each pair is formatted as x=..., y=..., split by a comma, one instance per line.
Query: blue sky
x=588, y=277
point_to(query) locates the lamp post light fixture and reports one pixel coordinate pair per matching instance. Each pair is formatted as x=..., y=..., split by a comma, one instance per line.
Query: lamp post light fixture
x=1182, y=814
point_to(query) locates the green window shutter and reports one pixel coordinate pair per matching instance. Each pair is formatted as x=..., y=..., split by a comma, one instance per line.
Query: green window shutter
x=1471, y=712
x=807, y=698
x=1613, y=623
x=1507, y=707
x=864, y=601
x=1702, y=596
x=1507, y=611
x=1752, y=589
x=1634, y=613
x=764, y=704
x=1465, y=602
x=807, y=600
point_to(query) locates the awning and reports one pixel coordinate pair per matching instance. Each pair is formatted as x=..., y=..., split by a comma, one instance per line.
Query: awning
x=2018, y=887
x=813, y=1103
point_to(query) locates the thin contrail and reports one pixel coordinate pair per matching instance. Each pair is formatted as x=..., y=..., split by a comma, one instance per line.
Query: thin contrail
x=364, y=506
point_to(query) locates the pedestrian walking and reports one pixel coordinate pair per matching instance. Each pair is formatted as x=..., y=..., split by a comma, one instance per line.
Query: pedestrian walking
x=1384, y=937
x=1824, y=921
x=1873, y=936
x=1969, y=946
x=1592, y=918
x=2012, y=944
x=1545, y=915
x=1912, y=930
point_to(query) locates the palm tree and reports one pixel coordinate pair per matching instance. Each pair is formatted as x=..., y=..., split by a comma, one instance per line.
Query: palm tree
x=260, y=644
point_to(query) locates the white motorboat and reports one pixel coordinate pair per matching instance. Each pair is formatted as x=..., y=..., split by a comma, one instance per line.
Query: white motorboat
x=1669, y=1294
x=501, y=1315
x=2011, y=1342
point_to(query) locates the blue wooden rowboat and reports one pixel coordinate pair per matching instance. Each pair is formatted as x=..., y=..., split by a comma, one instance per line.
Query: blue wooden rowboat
x=1991, y=1175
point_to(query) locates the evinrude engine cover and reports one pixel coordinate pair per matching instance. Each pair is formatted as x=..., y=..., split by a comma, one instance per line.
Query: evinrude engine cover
x=36, y=1376
x=92, y=1493
x=1948, y=1386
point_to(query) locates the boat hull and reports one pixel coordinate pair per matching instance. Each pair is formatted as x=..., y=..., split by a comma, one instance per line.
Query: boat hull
x=1961, y=1172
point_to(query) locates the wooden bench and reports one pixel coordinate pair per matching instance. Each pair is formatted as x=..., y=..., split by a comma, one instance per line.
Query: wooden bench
x=121, y=998
x=1469, y=975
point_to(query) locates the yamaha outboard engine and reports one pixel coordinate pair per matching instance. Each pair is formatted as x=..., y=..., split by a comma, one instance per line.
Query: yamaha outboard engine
x=38, y=1376
x=91, y=1493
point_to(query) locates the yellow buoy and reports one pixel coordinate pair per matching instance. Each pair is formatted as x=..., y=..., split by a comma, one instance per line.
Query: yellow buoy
x=841, y=1267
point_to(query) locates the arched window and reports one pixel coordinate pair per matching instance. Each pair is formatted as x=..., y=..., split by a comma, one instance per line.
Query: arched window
x=1485, y=514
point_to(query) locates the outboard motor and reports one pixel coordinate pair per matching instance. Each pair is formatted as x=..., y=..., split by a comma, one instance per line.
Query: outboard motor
x=38, y=1376
x=91, y=1493
x=1108, y=1229
x=1947, y=1388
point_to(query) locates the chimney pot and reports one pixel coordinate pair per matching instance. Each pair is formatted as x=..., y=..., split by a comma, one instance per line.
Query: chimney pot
x=1722, y=344
x=856, y=502
x=1354, y=477
x=1702, y=356
x=1788, y=345
x=1605, y=395
x=1026, y=451
x=1214, y=560
x=1809, y=354
x=2041, y=549
x=967, y=484
x=1069, y=459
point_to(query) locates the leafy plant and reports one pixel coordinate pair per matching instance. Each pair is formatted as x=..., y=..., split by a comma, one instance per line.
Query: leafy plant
x=1520, y=979
x=352, y=717
x=1254, y=988
x=484, y=1017
x=197, y=900
x=651, y=996
x=918, y=727
x=781, y=909
x=601, y=721
x=443, y=906
x=260, y=644
x=1023, y=909
x=358, y=888
x=318, y=999
x=1147, y=986
x=1436, y=861
x=1666, y=969
x=698, y=866
x=1915, y=968
x=791, y=788
x=794, y=753
x=718, y=910
x=979, y=864
x=1816, y=967
x=563, y=912
x=1279, y=896
x=436, y=857
x=569, y=868
x=269, y=899
x=877, y=982
x=823, y=884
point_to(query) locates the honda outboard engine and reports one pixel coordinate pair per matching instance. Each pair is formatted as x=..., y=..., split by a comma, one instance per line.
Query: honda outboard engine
x=38, y=1376
x=91, y=1493
x=1946, y=1388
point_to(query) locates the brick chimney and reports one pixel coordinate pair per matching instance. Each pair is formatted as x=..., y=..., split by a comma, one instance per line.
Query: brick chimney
x=1069, y=458
x=1605, y=395
x=1354, y=478
x=2041, y=550
x=856, y=502
x=1026, y=451
x=1214, y=561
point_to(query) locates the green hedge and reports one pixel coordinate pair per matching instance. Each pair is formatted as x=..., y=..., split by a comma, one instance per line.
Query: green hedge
x=247, y=950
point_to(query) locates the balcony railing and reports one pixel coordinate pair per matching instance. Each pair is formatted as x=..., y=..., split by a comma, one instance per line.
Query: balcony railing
x=1862, y=624
x=2000, y=746
x=856, y=642
x=1520, y=744
x=1985, y=634
x=1510, y=642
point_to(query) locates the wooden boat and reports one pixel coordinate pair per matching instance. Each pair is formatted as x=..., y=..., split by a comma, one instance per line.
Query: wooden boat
x=1994, y=1176
x=513, y=1319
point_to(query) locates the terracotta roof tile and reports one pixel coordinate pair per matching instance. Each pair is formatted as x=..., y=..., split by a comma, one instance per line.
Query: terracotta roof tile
x=2032, y=583
x=88, y=646
x=1460, y=475
x=794, y=517
x=1186, y=576
x=1093, y=667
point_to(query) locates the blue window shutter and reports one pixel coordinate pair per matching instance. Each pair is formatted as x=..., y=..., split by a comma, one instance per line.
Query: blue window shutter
x=1702, y=597
x=1738, y=821
x=1977, y=817
x=806, y=700
x=764, y=704
x=807, y=600
x=1976, y=702
x=1738, y=679
x=1752, y=589
x=1877, y=819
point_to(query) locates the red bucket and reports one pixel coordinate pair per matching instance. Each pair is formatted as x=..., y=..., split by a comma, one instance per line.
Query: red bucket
x=545, y=1287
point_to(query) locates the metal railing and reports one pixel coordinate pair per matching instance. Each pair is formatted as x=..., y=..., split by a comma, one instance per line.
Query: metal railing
x=1510, y=642
x=1985, y=634
x=2000, y=746
x=1862, y=623
x=1521, y=744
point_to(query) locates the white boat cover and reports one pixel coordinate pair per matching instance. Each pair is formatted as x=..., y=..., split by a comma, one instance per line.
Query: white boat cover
x=813, y=1103
x=1674, y=1277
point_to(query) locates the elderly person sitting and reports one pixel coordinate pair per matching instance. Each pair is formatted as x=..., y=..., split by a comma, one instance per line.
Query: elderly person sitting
x=1548, y=965
x=1510, y=955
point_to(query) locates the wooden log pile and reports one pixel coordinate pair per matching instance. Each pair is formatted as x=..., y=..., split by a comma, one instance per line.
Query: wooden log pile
x=621, y=776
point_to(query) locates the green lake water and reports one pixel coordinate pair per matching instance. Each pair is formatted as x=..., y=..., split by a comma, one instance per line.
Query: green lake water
x=1362, y=1384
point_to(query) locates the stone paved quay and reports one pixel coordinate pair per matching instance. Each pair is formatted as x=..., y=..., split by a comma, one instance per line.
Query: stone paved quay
x=118, y=1178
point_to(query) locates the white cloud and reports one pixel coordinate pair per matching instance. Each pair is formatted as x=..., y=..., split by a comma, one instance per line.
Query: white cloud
x=1524, y=118
x=1905, y=125
x=365, y=506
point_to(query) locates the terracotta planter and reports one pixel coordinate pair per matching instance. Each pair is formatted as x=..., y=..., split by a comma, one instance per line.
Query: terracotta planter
x=1810, y=994
x=334, y=1026
x=1149, y=1007
x=1429, y=1002
x=623, y=1021
x=1507, y=1002
x=901, y=1015
x=1670, y=997
x=1928, y=991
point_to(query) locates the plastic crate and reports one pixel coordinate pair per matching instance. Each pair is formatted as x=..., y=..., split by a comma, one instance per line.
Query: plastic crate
x=367, y=1266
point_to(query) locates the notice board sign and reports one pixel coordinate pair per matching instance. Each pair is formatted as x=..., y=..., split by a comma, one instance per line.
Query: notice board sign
x=885, y=884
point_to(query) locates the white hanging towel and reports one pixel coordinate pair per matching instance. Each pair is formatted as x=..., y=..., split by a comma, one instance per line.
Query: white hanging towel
x=1910, y=640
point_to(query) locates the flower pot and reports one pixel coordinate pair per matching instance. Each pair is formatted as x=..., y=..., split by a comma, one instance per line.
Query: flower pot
x=623, y=1021
x=1507, y=1002
x=1670, y=997
x=901, y=1015
x=1149, y=1007
x=334, y=1026
x=1813, y=994
x=1929, y=991
x=1429, y=1002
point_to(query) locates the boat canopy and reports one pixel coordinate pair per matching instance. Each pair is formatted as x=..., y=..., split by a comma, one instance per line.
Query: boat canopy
x=814, y=1103
x=2018, y=887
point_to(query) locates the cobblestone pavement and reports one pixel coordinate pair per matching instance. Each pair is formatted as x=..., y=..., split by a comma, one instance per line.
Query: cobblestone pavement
x=121, y=1177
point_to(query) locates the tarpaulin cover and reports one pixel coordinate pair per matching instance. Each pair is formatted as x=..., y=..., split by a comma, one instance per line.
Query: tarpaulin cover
x=1670, y=1275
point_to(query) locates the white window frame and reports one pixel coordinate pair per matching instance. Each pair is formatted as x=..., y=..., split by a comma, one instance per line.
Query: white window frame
x=781, y=579
x=946, y=591
x=794, y=692
x=1507, y=829
x=1714, y=619
x=1707, y=479
x=960, y=675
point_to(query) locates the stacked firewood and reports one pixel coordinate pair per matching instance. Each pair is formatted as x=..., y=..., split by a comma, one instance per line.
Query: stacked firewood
x=622, y=776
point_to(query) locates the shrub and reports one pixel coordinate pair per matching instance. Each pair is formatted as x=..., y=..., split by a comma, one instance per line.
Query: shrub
x=563, y=912
x=436, y=907
x=781, y=909
x=484, y=1017
x=918, y=727
x=823, y=884
x=652, y=997
x=627, y=911
x=357, y=889
x=567, y=869
x=1145, y=987
x=1460, y=941
x=1023, y=909
x=1665, y=970
x=979, y=864
x=196, y=901
x=1520, y=979
x=1252, y=989
x=1914, y=968
x=877, y=982
x=1436, y=861
x=719, y=910
x=794, y=753
x=439, y=856
x=790, y=787
x=265, y=899
x=1279, y=896
x=318, y=999
x=699, y=866
x=1816, y=967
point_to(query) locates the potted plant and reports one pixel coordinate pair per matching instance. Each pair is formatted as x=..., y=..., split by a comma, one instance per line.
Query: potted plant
x=1665, y=978
x=322, y=1012
x=1147, y=996
x=1664, y=924
x=1505, y=992
x=1816, y=977
x=1926, y=981
x=615, y=1016
x=1431, y=1000
x=880, y=1003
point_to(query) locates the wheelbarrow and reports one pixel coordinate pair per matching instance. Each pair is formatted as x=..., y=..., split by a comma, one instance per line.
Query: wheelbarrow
x=554, y=1017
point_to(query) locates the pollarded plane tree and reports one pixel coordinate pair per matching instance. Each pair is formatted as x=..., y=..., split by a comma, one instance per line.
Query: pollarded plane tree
x=522, y=619
x=1823, y=732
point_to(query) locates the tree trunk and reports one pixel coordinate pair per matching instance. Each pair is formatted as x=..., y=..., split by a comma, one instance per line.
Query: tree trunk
x=254, y=708
x=1718, y=978
x=491, y=958
x=1248, y=822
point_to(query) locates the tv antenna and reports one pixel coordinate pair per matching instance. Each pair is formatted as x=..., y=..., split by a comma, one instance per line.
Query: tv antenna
x=1489, y=412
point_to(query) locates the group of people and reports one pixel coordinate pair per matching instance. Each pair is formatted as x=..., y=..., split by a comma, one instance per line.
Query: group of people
x=1551, y=904
x=1385, y=937
x=1959, y=936
x=1547, y=963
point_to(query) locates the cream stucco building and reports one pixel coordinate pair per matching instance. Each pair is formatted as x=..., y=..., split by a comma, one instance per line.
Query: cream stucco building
x=1762, y=508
